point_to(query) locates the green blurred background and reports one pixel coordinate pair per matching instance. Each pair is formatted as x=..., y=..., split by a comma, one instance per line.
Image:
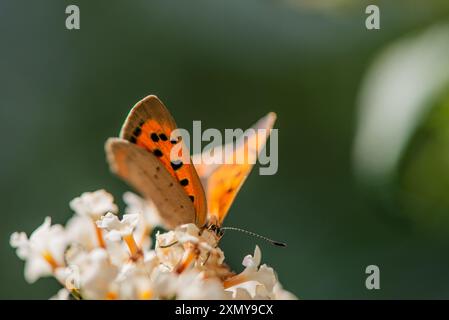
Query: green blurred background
x=227, y=63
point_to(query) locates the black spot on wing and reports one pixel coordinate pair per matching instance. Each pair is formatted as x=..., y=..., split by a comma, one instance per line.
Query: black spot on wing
x=157, y=153
x=176, y=164
x=137, y=131
x=163, y=137
x=154, y=137
x=184, y=182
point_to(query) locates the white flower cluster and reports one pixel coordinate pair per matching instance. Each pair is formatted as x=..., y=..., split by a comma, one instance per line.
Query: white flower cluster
x=97, y=255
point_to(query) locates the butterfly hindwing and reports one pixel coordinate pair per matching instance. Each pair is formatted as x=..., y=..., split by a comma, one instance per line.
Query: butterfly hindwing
x=149, y=125
x=143, y=171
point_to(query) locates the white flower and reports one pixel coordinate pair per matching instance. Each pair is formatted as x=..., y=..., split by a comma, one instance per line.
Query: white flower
x=168, y=250
x=253, y=276
x=94, y=204
x=118, y=252
x=62, y=294
x=263, y=274
x=19, y=240
x=43, y=252
x=135, y=281
x=81, y=231
x=148, y=218
x=97, y=257
x=96, y=276
x=281, y=294
x=188, y=233
x=117, y=229
x=136, y=204
x=189, y=285
x=193, y=286
x=188, y=246
x=238, y=293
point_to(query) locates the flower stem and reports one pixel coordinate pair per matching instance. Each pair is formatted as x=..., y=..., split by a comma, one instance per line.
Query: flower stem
x=233, y=281
x=132, y=245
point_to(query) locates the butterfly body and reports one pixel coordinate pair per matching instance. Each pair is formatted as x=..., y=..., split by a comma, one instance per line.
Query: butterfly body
x=181, y=191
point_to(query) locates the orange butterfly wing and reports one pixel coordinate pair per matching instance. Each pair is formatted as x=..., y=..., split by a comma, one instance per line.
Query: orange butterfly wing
x=224, y=181
x=149, y=125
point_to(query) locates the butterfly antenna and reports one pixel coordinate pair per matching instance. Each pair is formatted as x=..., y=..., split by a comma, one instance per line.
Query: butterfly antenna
x=273, y=242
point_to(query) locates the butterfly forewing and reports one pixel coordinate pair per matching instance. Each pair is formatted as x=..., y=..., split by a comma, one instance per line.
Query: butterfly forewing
x=149, y=126
x=224, y=181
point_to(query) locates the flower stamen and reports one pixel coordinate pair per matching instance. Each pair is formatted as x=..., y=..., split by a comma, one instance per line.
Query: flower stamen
x=190, y=255
x=111, y=295
x=146, y=295
x=49, y=258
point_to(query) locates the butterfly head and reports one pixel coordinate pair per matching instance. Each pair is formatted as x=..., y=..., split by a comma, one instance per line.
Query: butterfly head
x=215, y=229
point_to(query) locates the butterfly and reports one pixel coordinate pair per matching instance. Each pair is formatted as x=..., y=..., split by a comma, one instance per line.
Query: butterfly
x=183, y=192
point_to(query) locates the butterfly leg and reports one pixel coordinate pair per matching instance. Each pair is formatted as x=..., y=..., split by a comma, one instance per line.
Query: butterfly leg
x=168, y=245
x=208, y=254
